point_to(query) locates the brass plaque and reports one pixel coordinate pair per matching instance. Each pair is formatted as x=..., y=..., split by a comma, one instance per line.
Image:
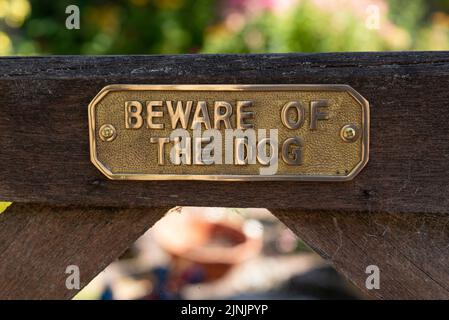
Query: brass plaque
x=229, y=132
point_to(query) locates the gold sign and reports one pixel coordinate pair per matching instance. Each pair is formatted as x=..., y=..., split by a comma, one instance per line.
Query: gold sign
x=229, y=132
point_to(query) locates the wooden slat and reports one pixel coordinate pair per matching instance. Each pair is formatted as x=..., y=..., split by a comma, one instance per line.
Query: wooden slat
x=44, y=130
x=38, y=242
x=411, y=250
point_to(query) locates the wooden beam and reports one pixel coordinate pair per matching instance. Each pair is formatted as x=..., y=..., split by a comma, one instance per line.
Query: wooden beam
x=411, y=251
x=44, y=130
x=38, y=242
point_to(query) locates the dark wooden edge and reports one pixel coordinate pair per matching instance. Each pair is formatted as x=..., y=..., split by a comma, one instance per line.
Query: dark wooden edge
x=38, y=242
x=411, y=251
x=45, y=145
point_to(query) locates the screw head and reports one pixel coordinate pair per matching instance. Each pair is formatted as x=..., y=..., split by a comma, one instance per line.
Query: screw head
x=107, y=132
x=349, y=133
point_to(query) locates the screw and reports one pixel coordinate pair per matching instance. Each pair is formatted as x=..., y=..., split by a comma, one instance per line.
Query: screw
x=107, y=132
x=349, y=133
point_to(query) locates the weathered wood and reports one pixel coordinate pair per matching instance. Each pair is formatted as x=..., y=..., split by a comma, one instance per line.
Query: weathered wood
x=44, y=130
x=37, y=243
x=411, y=251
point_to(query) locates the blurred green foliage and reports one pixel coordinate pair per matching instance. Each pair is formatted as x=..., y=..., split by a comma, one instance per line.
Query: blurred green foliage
x=4, y=205
x=228, y=26
x=303, y=28
x=120, y=27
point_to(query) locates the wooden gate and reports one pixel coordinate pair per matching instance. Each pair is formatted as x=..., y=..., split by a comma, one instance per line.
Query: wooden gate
x=394, y=214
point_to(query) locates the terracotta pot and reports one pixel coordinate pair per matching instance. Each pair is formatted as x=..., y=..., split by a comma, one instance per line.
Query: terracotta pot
x=215, y=246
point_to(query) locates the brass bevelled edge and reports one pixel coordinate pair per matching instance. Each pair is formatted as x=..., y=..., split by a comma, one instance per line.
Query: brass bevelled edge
x=231, y=87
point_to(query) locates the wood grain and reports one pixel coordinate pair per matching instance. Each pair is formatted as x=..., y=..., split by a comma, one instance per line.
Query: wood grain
x=44, y=130
x=38, y=242
x=411, y=251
